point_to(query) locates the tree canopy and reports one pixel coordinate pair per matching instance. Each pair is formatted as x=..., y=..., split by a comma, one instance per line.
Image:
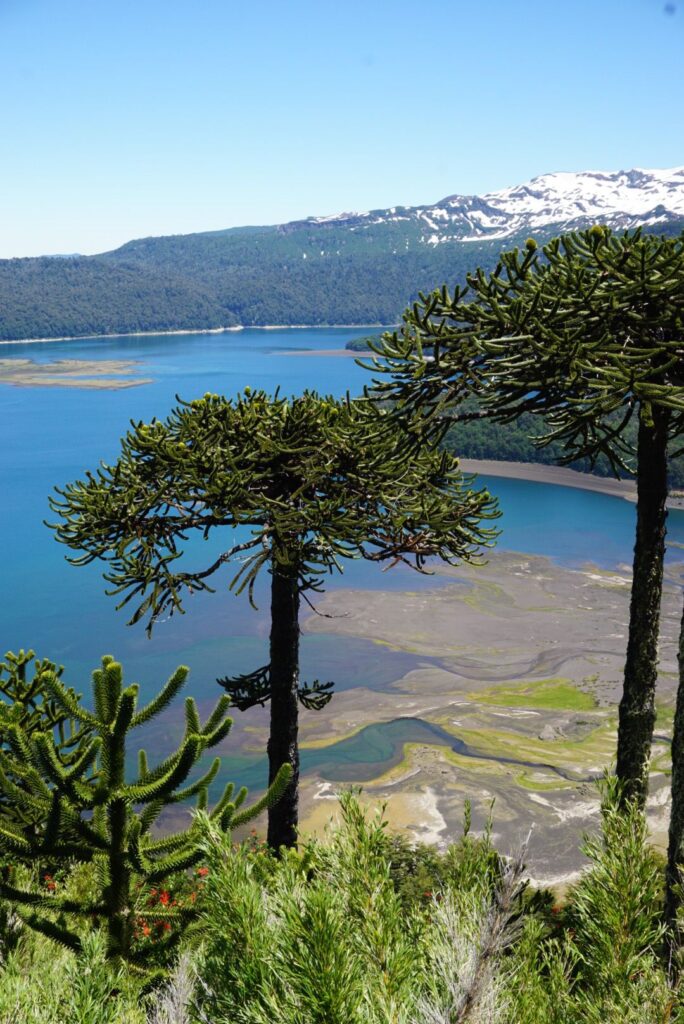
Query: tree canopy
x=584, y=328
x=311, y=481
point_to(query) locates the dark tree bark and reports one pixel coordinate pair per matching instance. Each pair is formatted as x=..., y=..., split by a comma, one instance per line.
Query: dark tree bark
x=637, y=707
x=283, y=745
x=118, y=893
x=675, y=852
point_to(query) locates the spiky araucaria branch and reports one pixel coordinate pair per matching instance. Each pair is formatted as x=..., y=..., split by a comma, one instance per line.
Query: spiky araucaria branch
x=25, y=702
x=90, y=812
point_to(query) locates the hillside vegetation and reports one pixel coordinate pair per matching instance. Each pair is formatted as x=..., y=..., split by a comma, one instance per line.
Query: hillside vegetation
x=365, y=929
x=301, y=273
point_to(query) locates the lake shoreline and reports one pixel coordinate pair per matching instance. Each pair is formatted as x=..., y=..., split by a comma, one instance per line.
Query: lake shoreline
x=199, y=330
x=541, y=473
x=529, y=723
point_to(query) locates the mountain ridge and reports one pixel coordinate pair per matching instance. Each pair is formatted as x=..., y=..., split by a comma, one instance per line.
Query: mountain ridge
x=350, y=268
x=629, y=199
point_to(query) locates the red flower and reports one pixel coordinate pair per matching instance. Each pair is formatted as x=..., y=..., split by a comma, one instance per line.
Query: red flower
x=202, y=872
x=164, y=898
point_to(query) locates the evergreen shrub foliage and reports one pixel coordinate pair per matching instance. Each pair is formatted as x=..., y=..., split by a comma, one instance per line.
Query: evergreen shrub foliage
x=601, y=961
x=27, y=703
x=41, y=983
x=338, y=932
x=88, y=812
x=332, y=934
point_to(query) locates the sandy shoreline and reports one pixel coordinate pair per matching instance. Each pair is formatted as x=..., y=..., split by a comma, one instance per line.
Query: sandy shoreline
x=345, y=353
x=562, y=476
x=543, y=474
x=74, y=373
x=200, y=330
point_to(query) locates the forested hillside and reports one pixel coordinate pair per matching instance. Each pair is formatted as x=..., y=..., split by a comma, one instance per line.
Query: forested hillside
x=253, y=278
x=307, y=272
x=54, y=298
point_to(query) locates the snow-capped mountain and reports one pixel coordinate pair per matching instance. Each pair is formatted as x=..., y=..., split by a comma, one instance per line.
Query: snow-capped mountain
x=566, y=200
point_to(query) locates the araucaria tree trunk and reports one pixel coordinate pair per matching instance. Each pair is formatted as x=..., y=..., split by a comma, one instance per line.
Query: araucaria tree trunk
x=675, y=852
x=283, y=746
x=119, y=921
x=637, y=707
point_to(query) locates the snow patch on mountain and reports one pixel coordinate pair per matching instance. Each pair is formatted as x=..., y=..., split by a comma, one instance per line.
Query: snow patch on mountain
x=568, y=200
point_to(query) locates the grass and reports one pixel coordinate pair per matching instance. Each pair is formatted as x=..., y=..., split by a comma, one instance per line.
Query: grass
x=322, y=743
x=523, y=778
x=556, y=693
x=482, y=596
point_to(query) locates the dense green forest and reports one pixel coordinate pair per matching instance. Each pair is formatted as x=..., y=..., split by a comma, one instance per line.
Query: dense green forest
x=300, y=273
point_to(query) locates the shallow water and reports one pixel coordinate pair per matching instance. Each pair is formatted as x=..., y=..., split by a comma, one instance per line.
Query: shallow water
x=372, y=751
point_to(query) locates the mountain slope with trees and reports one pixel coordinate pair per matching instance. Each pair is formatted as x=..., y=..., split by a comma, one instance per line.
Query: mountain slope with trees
x=349, y=269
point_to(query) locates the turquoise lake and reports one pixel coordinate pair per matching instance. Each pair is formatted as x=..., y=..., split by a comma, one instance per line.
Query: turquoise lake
x=51, y=435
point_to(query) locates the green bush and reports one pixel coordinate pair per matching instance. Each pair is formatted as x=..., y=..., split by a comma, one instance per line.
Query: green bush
x=340, y=932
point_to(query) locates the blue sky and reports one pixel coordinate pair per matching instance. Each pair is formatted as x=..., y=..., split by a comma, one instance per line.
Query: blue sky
x=122, y=119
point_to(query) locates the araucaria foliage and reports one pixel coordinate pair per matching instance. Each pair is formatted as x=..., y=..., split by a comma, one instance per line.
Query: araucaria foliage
x=310, y=481
x=26, y=703
x=88, y=811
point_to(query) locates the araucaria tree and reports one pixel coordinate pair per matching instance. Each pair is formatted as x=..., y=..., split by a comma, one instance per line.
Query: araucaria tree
x=310, y=481
x=25, y=702
x=589, y=334
x=88, y=812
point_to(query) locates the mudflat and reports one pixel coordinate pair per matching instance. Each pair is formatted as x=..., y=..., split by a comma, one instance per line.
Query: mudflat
x=71, y=373
x=523, y=668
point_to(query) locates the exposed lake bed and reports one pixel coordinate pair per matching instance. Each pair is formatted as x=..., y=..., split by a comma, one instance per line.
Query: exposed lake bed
x=529, y=676
x=71, y=373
